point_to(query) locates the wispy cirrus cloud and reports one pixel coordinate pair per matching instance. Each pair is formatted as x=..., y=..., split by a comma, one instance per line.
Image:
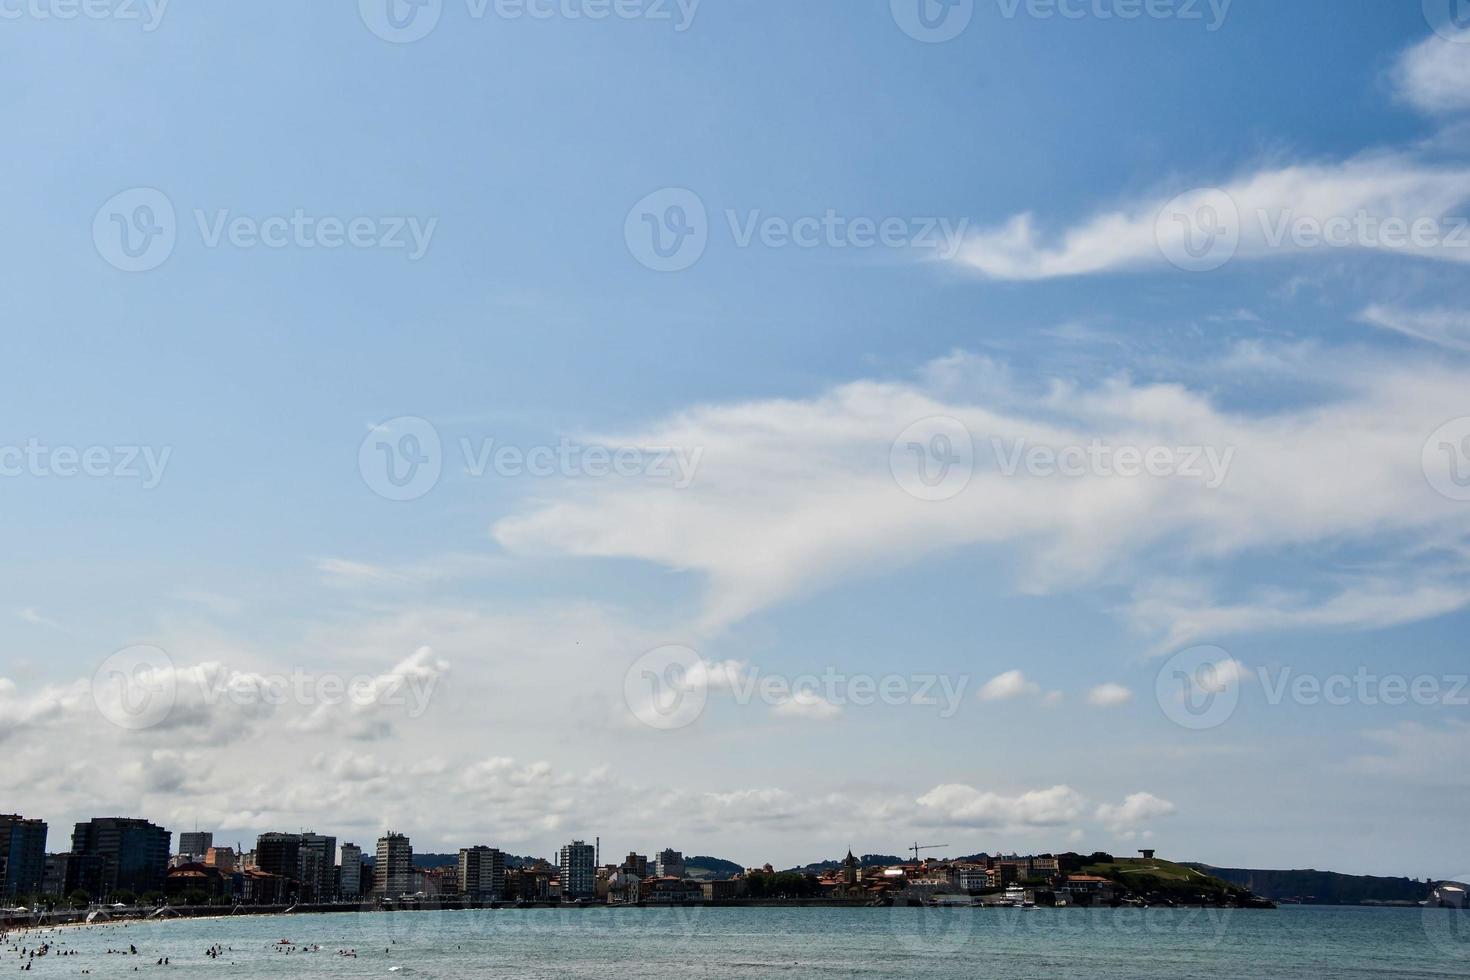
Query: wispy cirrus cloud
x=1272, y=210
x=787, y=484
x=1444, y=327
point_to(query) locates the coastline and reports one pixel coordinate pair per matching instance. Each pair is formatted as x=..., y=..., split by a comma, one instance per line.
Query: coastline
x=74, y=919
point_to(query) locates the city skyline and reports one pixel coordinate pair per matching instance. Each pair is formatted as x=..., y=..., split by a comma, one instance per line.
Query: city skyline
x=787, y=431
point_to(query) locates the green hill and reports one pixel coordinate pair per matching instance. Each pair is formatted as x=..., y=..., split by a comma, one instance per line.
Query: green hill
x=1324, y=887
x=1154, y=879
x=711, y=868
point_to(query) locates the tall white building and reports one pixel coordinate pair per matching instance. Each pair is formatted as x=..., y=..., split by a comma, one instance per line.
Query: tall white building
x=670, y=864
x=578, y=870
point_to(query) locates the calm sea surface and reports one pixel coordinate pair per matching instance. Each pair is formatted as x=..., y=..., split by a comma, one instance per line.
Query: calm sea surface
x=935, y=944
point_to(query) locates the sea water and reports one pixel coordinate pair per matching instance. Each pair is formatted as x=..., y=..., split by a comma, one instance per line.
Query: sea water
x=637, y=943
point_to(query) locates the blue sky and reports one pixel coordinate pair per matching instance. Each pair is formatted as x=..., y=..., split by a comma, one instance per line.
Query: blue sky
x=519, y=147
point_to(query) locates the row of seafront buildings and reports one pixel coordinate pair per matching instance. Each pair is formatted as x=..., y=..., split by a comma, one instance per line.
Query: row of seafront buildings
x=114, y=858
x=128, y=858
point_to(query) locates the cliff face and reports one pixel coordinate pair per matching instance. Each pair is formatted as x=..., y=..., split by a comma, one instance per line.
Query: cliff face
x=1323, y=887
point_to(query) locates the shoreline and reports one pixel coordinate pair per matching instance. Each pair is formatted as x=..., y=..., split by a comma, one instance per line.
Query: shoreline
x=76, y=919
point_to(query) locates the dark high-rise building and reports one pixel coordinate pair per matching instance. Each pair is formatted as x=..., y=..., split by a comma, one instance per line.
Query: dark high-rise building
x=318, y=870
x=66, y=873
x=578, y=870
x=482, y=873
x=195, y=843
x=393, y=871
x=280, y=855
x=350, y=874
x=132, y=854
x=22, y=855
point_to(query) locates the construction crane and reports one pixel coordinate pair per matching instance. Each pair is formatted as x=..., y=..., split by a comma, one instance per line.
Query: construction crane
x=924, y=847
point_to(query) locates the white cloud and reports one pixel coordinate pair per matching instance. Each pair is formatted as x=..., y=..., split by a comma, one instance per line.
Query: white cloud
x=30, y=615
x=1447, y=328
x=1109, y=695
x=1379, y=187
x=808, y=705
x=1434, y=75
x=1372, y=602
x=373, y=704
x=785, y=483
x=1011, y=684
x=1136, y=808
x=964, y=806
